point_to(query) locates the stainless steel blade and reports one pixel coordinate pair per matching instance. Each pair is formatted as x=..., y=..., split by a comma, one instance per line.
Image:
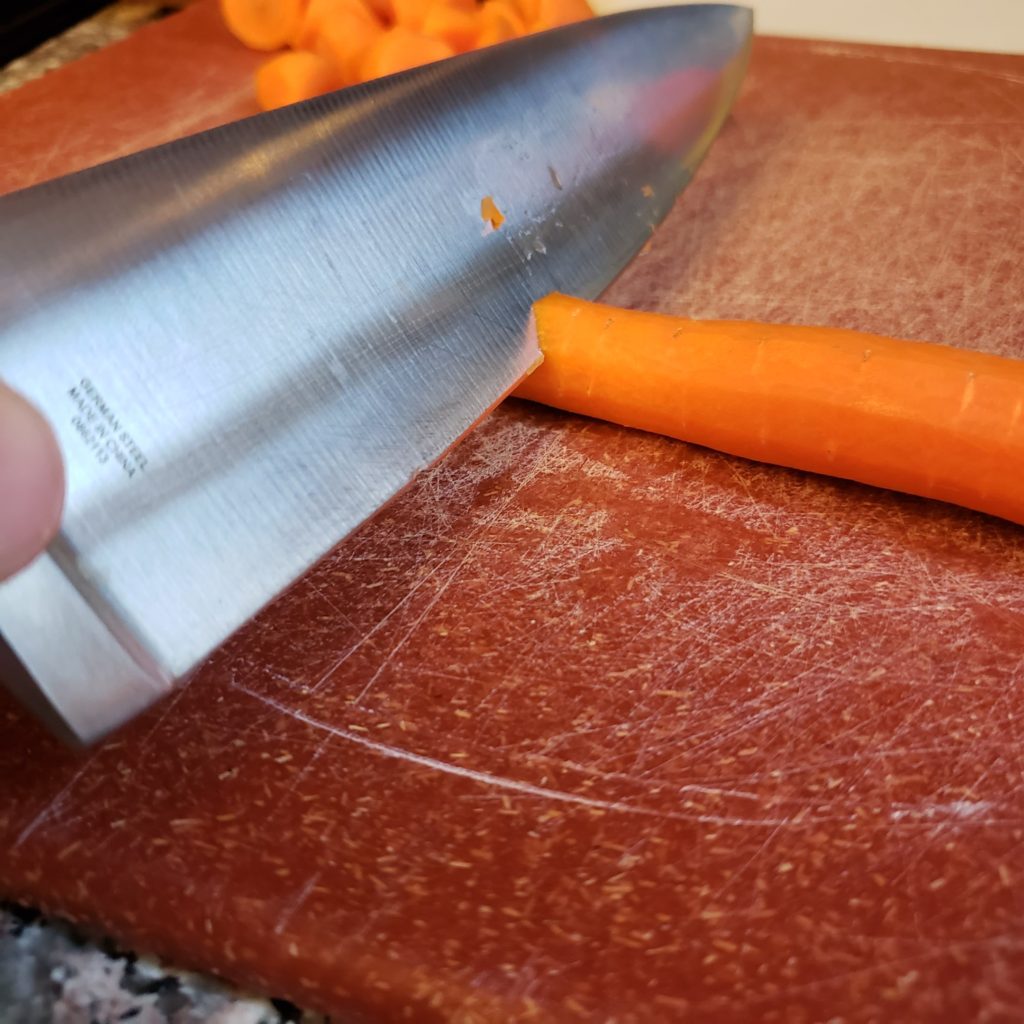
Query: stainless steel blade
x=249, y=340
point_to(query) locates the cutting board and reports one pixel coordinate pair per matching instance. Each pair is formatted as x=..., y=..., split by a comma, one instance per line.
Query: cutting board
x=590, y=725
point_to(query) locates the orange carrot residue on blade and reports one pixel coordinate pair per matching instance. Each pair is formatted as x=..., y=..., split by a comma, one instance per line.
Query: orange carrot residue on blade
x=926, y=419
x=292, y=77
x=456, y=26
x=344, y=38
x=490, y=213
x=399, y=49
x=262, y=24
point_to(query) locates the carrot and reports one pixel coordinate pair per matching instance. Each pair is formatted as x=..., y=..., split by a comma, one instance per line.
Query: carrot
x=382, y=10
x=412, y=12
x=553, y=13
x=499, y=22
x=399, y=49
x=291, y=77
x=262, y=24
x=455, y=26
x=927, y=419
x=318, y=12
x=344, y=38
x=490, y=213
x=409, y=13
x=529, y=10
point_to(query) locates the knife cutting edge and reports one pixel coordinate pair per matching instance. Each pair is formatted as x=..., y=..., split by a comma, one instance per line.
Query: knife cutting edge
x=250, y=339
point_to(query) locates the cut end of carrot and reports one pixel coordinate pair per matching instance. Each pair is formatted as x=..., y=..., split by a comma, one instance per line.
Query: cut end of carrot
x=490, y=213
x=292, y=78
x=263, y=24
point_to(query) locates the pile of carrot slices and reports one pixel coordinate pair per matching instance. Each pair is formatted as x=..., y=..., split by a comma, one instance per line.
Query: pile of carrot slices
x=330, y=44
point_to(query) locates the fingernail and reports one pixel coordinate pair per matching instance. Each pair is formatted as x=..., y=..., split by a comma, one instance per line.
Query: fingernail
x=31, y=482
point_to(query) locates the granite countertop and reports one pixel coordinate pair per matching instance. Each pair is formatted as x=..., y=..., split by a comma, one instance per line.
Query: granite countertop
x=109, y=25
x=50, y=972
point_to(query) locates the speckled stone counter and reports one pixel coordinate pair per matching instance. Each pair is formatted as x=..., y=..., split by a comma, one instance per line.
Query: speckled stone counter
x=52, y=974
x=108, y=26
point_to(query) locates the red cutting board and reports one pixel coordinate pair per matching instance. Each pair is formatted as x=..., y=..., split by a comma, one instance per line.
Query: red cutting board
x=592, y=725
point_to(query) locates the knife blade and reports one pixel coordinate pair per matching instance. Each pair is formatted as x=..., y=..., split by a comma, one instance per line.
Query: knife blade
x=249, y=340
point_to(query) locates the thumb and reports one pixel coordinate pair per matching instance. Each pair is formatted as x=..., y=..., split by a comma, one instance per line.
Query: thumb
x=31, y=482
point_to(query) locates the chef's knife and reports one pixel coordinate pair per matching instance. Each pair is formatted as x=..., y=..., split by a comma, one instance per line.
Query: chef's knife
x=250, y=339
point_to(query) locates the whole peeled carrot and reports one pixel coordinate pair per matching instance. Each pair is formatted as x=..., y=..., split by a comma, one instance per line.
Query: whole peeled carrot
x=926, y=419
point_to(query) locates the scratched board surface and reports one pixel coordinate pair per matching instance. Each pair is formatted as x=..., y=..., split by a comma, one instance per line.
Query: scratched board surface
x=591, y=725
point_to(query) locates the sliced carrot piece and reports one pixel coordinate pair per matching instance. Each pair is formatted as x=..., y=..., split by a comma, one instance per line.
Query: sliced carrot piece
x=412, y=13
x=529, y=10
x=382, y=10
x=553, y=13
x=925, y=419
x=456, y=26
x=399, y=49
x=293, y=77
x=409, y=13
x=262, y=24
x=344, y=39
x=320, y=11
x=499, y=22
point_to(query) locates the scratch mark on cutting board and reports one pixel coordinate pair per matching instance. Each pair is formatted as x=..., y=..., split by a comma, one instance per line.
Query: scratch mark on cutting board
x=52, y=807
x=954, y=809
x=768, y=589
x=169, y=708
x=294, y=906
x=300, y=778
x=417, y=622
x=528, y=476
x=515, y=785
x=54, y=153
x=975, y=70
